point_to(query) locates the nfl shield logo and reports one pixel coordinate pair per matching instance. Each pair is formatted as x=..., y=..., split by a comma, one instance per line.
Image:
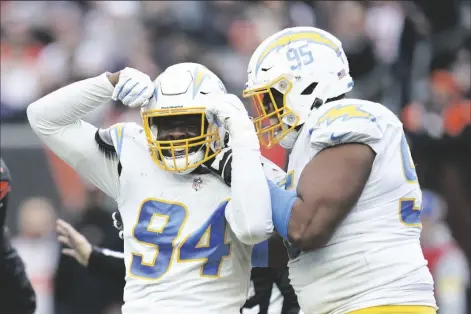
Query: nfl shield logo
x=197, y=184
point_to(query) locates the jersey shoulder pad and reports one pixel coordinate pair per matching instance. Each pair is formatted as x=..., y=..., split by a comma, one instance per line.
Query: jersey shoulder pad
x=119, y=133
x=273, y=172
x=348, y=121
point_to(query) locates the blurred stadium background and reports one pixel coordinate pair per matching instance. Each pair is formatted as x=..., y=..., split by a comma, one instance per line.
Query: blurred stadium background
x=412, y=56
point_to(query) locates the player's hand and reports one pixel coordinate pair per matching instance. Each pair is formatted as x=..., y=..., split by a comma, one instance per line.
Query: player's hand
x=227, y=110
x=78, y=246
x=134, y=88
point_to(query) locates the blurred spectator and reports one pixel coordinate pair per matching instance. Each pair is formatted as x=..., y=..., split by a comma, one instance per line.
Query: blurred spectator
x=47, y=44
x=90, y=294
x=37, y=246
x=439, y=129
x=445, y=112
x=446, y=261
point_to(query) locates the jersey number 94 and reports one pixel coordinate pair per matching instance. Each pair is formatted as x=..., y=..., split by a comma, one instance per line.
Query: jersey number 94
x=207, y=244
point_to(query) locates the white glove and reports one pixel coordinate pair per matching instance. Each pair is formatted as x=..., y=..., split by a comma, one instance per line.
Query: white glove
x=134, y=88
x=227, y=110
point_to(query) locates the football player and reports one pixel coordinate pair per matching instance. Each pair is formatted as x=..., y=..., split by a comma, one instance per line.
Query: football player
x=353, y=215
x=186, y=245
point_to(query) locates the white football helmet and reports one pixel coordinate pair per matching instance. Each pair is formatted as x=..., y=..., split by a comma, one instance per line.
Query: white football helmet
x=179, y=136
x=291, y=73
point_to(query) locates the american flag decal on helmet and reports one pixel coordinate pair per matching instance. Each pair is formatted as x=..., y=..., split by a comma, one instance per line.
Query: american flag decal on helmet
x=342, y=74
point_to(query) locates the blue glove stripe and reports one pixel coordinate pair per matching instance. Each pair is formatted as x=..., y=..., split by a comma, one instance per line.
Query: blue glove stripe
x=141, y=92
x=130, y=90
x=281, y=203
x=122, y=86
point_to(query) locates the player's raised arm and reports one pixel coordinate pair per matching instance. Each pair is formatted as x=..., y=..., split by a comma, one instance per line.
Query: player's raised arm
x=56, y=119
x=249, y=211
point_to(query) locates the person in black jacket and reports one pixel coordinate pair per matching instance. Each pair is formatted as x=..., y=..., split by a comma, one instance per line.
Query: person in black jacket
x=16, y=293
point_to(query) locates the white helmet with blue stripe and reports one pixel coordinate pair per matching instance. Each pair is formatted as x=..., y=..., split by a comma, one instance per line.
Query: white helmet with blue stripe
x=291, y=73
x=179, y=136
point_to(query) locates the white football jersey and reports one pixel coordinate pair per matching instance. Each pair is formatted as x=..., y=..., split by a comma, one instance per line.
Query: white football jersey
x=180, y=253
x=374, y=257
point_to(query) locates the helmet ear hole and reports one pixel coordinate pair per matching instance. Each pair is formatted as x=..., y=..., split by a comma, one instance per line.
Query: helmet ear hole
x=310, y=89
x=317, y=103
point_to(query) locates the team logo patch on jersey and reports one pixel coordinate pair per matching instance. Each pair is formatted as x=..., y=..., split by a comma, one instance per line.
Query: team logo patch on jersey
x=344, y=112
x=197, y=184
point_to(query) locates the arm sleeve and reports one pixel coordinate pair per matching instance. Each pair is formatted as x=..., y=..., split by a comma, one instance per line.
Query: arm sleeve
x=249, y=211
x=107, y=263
x=56, y=119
